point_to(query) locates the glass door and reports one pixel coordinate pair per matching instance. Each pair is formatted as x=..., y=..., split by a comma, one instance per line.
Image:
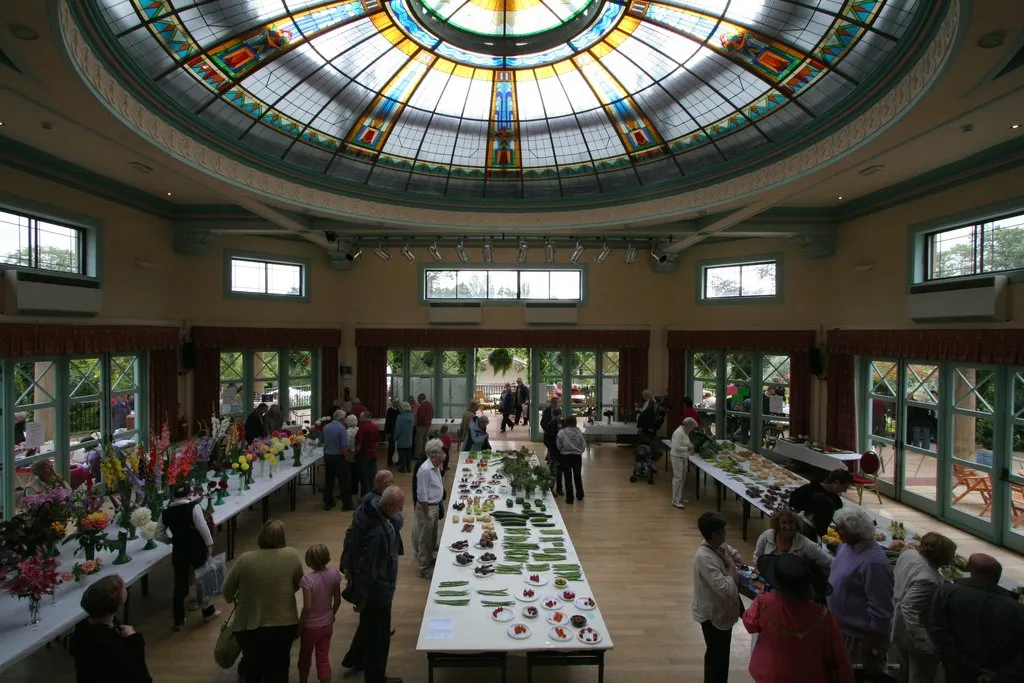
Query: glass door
x=394, y=378
x=610, y=385
x=547, y=375
x=421, y=374
x=775, y=398
x=456, y=381
x=1013, y=468
x=973, y=441
x=739, y=369
x=881, y=409
x=920, y=434
x=584, y=382
x=705, y=390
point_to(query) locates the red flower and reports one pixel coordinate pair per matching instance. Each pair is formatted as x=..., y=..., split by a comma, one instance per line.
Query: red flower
x=223, y=484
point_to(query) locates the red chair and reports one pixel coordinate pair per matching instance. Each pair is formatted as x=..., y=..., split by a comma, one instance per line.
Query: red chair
x=869, y=466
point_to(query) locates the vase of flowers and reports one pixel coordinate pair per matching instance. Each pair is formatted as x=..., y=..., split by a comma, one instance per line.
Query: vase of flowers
x=80, y=570
x=140, y=518
x=36, y=576
x=122, y=471
x=608, y=414
x=222, y=491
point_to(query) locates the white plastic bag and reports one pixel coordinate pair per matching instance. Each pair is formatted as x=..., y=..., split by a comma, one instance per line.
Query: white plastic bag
x=394, y=458
x=210, y=577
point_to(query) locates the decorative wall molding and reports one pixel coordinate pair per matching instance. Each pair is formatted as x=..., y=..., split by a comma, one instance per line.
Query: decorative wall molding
x=878, y=117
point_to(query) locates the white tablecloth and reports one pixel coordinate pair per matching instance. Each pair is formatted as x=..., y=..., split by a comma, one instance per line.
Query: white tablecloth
x=454, y=424
x=825, y=461
x=605, y=429
x=63, y=612
x=471, y=628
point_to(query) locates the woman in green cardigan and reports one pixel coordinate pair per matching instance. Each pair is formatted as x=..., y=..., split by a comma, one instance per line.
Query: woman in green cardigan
x=262, y=583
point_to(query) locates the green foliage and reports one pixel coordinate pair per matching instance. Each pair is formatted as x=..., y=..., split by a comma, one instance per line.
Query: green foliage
x=501, y=360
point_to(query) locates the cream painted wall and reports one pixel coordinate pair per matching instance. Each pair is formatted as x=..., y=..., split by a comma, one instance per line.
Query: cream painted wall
x=877, y=298
x=130, y=293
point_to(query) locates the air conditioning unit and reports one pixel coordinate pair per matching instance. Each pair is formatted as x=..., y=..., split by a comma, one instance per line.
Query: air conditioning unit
x=455, y=314
x=551, y=314
x=980, y=299
x=33, y=293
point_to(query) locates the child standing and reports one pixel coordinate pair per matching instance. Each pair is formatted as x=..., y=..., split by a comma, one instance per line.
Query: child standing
x=321, y=598
x=446, y=444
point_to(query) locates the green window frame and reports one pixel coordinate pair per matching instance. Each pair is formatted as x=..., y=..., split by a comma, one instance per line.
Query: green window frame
x=261, y=267
x=289, y=377
x=706, y=269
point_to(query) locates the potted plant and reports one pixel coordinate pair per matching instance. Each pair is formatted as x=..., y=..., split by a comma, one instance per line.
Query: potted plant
x=501, y=360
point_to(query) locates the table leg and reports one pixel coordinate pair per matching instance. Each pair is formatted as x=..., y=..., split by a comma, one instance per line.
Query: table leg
x=145, y=584
x=291, y=493
x=696, y=485
x=600, y=669
x=231, y=538
x=746, y=516
x=718, y=496
x=266, y=509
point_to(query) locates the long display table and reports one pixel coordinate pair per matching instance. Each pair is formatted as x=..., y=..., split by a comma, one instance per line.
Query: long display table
x=63, y=611
x=472, y=634
x=817, y=458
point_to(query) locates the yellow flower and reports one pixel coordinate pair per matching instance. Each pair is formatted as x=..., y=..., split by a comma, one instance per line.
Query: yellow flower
x=245, y=467
x=58, y=527
x=234, y=465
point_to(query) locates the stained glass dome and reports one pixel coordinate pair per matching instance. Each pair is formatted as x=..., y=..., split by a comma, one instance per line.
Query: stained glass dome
x=507, y=99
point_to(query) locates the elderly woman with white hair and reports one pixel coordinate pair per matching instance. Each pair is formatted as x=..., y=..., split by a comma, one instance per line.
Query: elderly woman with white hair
x=428, y=494
x=477, y=439
x=680, y=450
x=862, y=591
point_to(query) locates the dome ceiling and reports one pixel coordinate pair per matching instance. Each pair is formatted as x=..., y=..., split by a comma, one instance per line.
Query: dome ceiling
x=507, y=99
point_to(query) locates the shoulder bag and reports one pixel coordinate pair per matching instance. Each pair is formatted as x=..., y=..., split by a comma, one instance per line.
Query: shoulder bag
x=227, y=649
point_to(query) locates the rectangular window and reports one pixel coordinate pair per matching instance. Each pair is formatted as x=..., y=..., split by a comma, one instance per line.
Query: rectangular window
x=503, y=285
x=272, y=278
x=28, y=242
x=991, y=247
x=739, y=280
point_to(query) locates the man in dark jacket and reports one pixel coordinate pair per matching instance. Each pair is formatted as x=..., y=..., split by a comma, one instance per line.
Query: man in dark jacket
x=522, y=402
x=372, y=589
x=833, y=486
x=381, y=482
x=508, y=404
x=255, y=426
x=978, y=627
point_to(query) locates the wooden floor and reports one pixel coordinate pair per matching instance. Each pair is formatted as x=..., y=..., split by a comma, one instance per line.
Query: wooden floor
x=635, y=547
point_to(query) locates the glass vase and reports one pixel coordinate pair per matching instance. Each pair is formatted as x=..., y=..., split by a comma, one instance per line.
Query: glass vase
x=33, y=611
x=241, y=481
x=263, y=468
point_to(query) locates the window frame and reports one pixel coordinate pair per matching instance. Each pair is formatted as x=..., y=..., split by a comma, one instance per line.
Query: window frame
x=89, y=237
x=702, y=268
x=582, y=269
x=919, y=241
x=231, y=255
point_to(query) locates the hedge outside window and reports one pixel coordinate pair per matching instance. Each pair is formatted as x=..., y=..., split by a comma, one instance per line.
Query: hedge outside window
x=260, y=276
x=986, y=247
x=739, y=280
x=28, y=242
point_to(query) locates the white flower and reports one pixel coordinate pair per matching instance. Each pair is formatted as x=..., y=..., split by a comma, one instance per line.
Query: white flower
x=141, y=517
x=148, y=531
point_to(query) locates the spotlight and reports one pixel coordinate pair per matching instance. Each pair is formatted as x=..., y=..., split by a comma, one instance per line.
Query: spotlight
x=379, y=251
x=330, y=236
x=577, y=252
x=657, y=255
x=549, y=252
x=434, y=252
x=630, y=253
x=488, y=251
x=354, y=253
x=523, y=249
x=407, y=253
x=460, y=251
x=604, y=252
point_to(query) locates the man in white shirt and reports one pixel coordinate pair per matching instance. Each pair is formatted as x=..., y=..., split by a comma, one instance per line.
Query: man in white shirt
x=681, y=449
x=429, y=498
x=716, y=597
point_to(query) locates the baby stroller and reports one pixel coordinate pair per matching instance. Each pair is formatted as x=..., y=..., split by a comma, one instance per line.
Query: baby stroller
x=645, y=453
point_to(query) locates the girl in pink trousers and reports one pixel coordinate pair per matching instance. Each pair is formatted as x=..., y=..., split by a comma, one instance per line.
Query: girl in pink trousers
x=321, y=598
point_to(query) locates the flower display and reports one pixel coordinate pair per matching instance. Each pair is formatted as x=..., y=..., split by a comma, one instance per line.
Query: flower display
x=122, y=472
x=36, y=576
x=141, y=517
x=95, y=521
x=180, y=467
x=91, y=521
x=82, y=569
x=148, y=532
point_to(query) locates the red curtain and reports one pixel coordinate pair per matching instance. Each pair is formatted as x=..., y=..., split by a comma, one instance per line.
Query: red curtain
x=461, y=338
x=632, y=380
x=371, y=377
x=796, y=343
x=998, y=347
x=18, y=340
x=841, y=416
x=206, y=385
x=676, y=386
x=163, y=390
x=264, y=337
x=329, y=381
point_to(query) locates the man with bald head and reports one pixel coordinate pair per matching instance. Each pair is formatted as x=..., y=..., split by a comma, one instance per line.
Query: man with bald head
x=978, y=627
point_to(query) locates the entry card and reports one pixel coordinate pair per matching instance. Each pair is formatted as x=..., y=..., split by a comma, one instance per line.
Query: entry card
x=439, y=629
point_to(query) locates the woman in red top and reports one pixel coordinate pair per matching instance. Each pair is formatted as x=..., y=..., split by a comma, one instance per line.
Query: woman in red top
x=689, y=411
x=798, y=639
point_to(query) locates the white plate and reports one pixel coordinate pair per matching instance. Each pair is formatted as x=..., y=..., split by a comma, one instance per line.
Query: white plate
x=553, y=634
x=551, y=619
x=480, y=547
x=482, y=561
x=563, y=596
x=579, y=636
x=518, y=636
x=502, y=614
x=527, y=598
x=580, y=604
x=556, y=604
x=560, y=586
x=543, y=581
x=456, y=562
x=527, y=615
x=482, y=576
x=458, y=551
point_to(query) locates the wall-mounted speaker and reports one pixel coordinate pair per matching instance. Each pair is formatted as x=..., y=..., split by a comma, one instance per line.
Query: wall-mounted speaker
x=816, y=360
x=345, y=370
x=188, y=357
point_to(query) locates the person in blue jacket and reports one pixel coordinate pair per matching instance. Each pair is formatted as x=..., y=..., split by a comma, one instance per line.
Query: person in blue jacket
x=403, y=437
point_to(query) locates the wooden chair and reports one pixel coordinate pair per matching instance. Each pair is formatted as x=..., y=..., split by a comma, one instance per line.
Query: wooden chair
x=867, y=478
x=973, y=481
x=1017, y=503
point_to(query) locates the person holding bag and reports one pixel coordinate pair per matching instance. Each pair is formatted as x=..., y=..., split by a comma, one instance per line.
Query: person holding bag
x=192, y=544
